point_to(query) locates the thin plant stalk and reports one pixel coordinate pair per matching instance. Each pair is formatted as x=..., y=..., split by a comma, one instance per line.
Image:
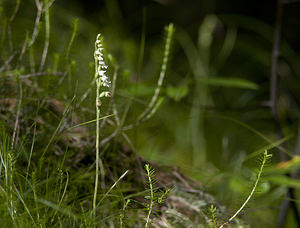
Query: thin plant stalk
x=47, y=36
x=101, y=81
x=14, y=136
x=114, y=185
x=37, y=22
x=97, y=143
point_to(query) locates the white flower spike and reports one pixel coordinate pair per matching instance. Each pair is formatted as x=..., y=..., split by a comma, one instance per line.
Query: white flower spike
x=100, y=64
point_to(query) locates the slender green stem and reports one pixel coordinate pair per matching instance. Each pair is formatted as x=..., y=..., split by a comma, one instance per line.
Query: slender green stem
x=111, y=188
x=101, y=81
x=47, y=36
x=97, y=144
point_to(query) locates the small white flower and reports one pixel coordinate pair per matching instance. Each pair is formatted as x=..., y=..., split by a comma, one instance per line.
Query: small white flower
x=97, y=52
x=102, y=74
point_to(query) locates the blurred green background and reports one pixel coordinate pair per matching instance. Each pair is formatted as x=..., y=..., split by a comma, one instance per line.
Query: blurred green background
x=216, y=91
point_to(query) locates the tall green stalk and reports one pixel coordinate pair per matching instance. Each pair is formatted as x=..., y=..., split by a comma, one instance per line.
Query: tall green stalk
x=97, y=144
x=101, y=80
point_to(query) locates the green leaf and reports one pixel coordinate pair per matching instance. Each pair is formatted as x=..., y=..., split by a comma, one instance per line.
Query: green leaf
x=229, y=82
x=284, y=180
x=177, y=93
x=206, y=30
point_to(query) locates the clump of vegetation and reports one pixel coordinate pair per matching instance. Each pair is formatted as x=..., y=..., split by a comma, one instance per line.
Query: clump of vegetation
x=80, y=138
x=46, y=152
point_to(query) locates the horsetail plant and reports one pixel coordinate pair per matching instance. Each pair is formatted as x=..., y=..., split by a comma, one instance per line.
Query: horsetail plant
x=264, y=161
x=213, y=216
x=151, y=182
x=154, y=196
x=101, y=81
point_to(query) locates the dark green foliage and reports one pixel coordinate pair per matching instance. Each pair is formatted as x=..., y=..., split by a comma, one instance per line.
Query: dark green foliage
x=211, y=116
